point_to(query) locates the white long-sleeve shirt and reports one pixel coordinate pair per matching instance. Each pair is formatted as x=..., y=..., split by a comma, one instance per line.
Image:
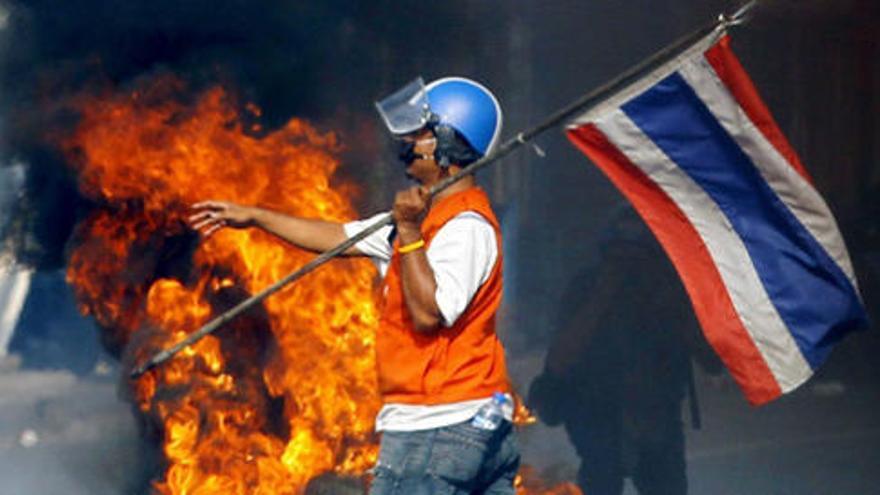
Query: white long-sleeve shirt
x=462, y=255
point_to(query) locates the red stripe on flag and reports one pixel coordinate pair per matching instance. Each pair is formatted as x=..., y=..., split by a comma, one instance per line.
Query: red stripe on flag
x=734, y=76
x=684, y=246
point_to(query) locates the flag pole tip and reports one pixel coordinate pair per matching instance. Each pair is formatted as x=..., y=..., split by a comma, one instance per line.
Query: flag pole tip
x=740, y=16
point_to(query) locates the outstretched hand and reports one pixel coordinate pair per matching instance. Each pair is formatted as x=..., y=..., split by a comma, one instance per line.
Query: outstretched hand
x=210, y=216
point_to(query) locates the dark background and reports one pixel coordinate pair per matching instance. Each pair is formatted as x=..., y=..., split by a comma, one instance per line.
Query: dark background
x=815, y=62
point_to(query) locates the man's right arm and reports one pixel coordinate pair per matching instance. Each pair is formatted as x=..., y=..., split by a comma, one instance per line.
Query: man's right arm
x=306, y=233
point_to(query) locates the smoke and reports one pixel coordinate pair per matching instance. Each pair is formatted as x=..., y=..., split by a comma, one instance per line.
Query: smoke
x=11, y=183
x=4, y=17
x=61, y=435
x=55, y=52
x=814, y=61
x=322, y=61
x=325, y=62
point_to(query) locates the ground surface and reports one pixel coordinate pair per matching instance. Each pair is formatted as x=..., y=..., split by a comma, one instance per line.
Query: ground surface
x=67, y=435
x=60, y=434
x=824, y=439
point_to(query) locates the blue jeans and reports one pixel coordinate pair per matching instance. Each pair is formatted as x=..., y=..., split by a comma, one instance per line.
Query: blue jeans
x=454, y=460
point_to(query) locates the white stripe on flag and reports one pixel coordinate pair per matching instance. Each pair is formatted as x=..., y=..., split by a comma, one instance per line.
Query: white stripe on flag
x=798, y=195
x=750, y=300
x=650, y=79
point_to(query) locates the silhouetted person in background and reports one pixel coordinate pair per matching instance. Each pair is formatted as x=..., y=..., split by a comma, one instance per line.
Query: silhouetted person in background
x=619, y=367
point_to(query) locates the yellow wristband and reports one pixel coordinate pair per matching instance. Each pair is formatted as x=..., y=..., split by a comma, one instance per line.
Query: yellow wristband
x=411, y=246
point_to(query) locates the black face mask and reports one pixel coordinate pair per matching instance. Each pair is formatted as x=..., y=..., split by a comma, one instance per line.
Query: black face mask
x=451, y=148
x=406, y=152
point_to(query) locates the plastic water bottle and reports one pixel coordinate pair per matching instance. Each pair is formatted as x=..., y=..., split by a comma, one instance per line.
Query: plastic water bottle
x=490, y=416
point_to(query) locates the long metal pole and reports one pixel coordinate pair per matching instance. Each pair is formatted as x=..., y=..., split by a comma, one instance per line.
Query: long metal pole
x=582, y=104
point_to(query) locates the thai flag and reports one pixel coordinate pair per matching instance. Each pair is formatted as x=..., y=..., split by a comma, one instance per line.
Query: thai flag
x=695, y=150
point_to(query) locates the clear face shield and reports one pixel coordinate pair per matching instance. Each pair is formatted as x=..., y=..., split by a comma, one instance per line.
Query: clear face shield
x=406, y=110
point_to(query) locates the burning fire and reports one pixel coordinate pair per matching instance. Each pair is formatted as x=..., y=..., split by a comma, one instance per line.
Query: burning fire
x=528, y=482
x=287, y=392
x=282, y=394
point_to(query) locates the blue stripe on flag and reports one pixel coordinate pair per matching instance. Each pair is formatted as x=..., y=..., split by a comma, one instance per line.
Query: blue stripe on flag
x=813, y=296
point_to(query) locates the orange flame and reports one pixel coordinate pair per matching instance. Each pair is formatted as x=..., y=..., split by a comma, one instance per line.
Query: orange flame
x=235, y=417
x=284, y=393
x=528, y=482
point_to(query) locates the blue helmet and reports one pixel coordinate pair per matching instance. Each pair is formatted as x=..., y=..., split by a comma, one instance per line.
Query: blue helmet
x=469, y=108
x=464, y=115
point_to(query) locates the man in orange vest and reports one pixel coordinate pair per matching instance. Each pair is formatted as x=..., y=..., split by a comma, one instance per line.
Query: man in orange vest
x=446, y=415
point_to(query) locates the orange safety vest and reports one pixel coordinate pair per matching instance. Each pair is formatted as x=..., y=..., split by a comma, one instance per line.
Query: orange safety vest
x=446, y=365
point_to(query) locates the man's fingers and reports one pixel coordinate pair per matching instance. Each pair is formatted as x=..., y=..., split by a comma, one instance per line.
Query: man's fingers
x=214, y=228
x=201, y=216
x=205, y=217
x=208, y=227
x=207, y=223
x=209, y=216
